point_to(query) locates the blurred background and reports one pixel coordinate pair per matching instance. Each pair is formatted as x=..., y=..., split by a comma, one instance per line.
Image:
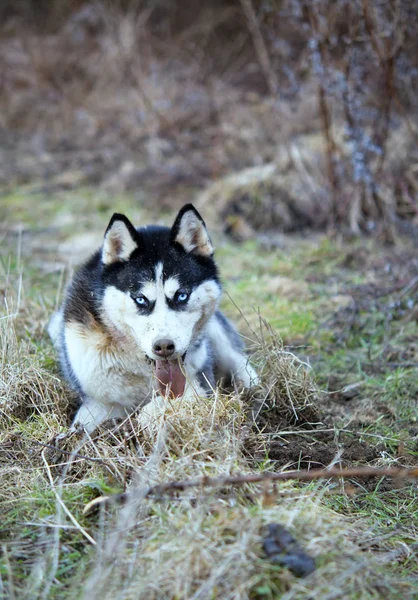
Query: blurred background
x=271, y=115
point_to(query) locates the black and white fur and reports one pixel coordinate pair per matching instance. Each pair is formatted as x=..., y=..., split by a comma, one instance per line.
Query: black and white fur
x=145, y=285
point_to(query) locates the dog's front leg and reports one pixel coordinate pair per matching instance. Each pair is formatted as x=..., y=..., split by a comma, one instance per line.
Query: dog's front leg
x=93, y=413
x=243, y=372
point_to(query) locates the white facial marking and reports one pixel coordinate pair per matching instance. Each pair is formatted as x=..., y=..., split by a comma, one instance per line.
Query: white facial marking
x=154, y=288
x=149, y=291
x=159, y=272
x=180, y=326
x=171, y=286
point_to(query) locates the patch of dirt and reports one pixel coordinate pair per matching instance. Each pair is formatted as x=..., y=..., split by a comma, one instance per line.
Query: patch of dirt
x=319, y=449
x=302, y=442
x=281, y=417
x=308, y=452
x=374, y=310
x=308, y=445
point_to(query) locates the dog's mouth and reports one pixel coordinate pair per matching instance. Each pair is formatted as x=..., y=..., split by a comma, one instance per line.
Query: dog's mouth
x=170, y=376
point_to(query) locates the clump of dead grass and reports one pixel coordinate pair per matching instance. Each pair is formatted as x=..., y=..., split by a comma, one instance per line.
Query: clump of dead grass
x=191, y=544
x=27, y=385
x=207, y=544
x=288, y=394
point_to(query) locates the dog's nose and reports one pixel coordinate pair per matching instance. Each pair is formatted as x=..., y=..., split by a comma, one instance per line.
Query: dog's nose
x=163, y=348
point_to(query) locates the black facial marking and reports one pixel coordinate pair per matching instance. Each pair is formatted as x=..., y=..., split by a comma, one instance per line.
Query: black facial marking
x=154, y=245
x=143, y=305
x=179, y=303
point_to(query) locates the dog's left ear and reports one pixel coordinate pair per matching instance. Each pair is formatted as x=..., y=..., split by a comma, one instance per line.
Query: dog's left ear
x=120, y=240
x=189, y=230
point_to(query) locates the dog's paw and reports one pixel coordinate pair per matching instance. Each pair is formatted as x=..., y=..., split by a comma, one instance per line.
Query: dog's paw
x=247, y=375
x=92, y=414
x=58, y=447
x=59, y=440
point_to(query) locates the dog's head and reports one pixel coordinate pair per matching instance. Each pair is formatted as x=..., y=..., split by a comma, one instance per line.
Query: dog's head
x=160, y=285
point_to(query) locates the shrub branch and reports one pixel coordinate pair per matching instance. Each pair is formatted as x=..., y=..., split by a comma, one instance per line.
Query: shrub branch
x=303, y=475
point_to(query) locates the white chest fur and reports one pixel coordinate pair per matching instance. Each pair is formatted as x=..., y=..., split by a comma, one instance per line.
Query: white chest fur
x=109, y=370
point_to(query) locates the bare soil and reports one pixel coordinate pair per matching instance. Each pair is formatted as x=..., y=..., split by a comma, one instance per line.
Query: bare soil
x=332, y=429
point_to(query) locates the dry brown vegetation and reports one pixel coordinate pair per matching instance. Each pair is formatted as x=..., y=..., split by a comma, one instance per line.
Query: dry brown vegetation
x=193, y=543
x=272, y=116
x=125, y=94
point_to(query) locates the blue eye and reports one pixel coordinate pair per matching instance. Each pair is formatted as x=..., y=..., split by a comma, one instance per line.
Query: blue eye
x=141, y=300
x=182, y=297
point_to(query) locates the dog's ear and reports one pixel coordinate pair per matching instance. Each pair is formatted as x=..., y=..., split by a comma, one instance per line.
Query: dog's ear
x=119, y=240
x=189, y=230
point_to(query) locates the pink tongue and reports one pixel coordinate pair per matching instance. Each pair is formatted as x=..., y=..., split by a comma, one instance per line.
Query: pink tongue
x=170, y=377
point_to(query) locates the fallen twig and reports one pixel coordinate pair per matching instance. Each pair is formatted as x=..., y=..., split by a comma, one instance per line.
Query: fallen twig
x=73, y=454
x=304, y=475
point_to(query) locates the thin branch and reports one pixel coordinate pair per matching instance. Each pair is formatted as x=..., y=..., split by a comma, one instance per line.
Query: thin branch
x=303, y=475
x=260, y=47
x=59, y=450
x=409, y=286
x=326, y=117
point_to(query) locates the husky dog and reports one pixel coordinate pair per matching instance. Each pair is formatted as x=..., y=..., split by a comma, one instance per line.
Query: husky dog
x=140, y=321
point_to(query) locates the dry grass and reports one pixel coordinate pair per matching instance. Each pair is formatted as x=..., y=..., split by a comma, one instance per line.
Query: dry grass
x=200, y=544
x=132, y=93
x=288, y=392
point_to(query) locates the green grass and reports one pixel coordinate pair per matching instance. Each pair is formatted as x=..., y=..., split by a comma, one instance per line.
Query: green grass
x=294, y=289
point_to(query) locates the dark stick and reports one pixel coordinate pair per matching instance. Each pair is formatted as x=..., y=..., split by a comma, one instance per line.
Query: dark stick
x=333, y=473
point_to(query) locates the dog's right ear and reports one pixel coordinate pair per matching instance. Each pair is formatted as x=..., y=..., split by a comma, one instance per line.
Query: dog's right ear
x=119, y=240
